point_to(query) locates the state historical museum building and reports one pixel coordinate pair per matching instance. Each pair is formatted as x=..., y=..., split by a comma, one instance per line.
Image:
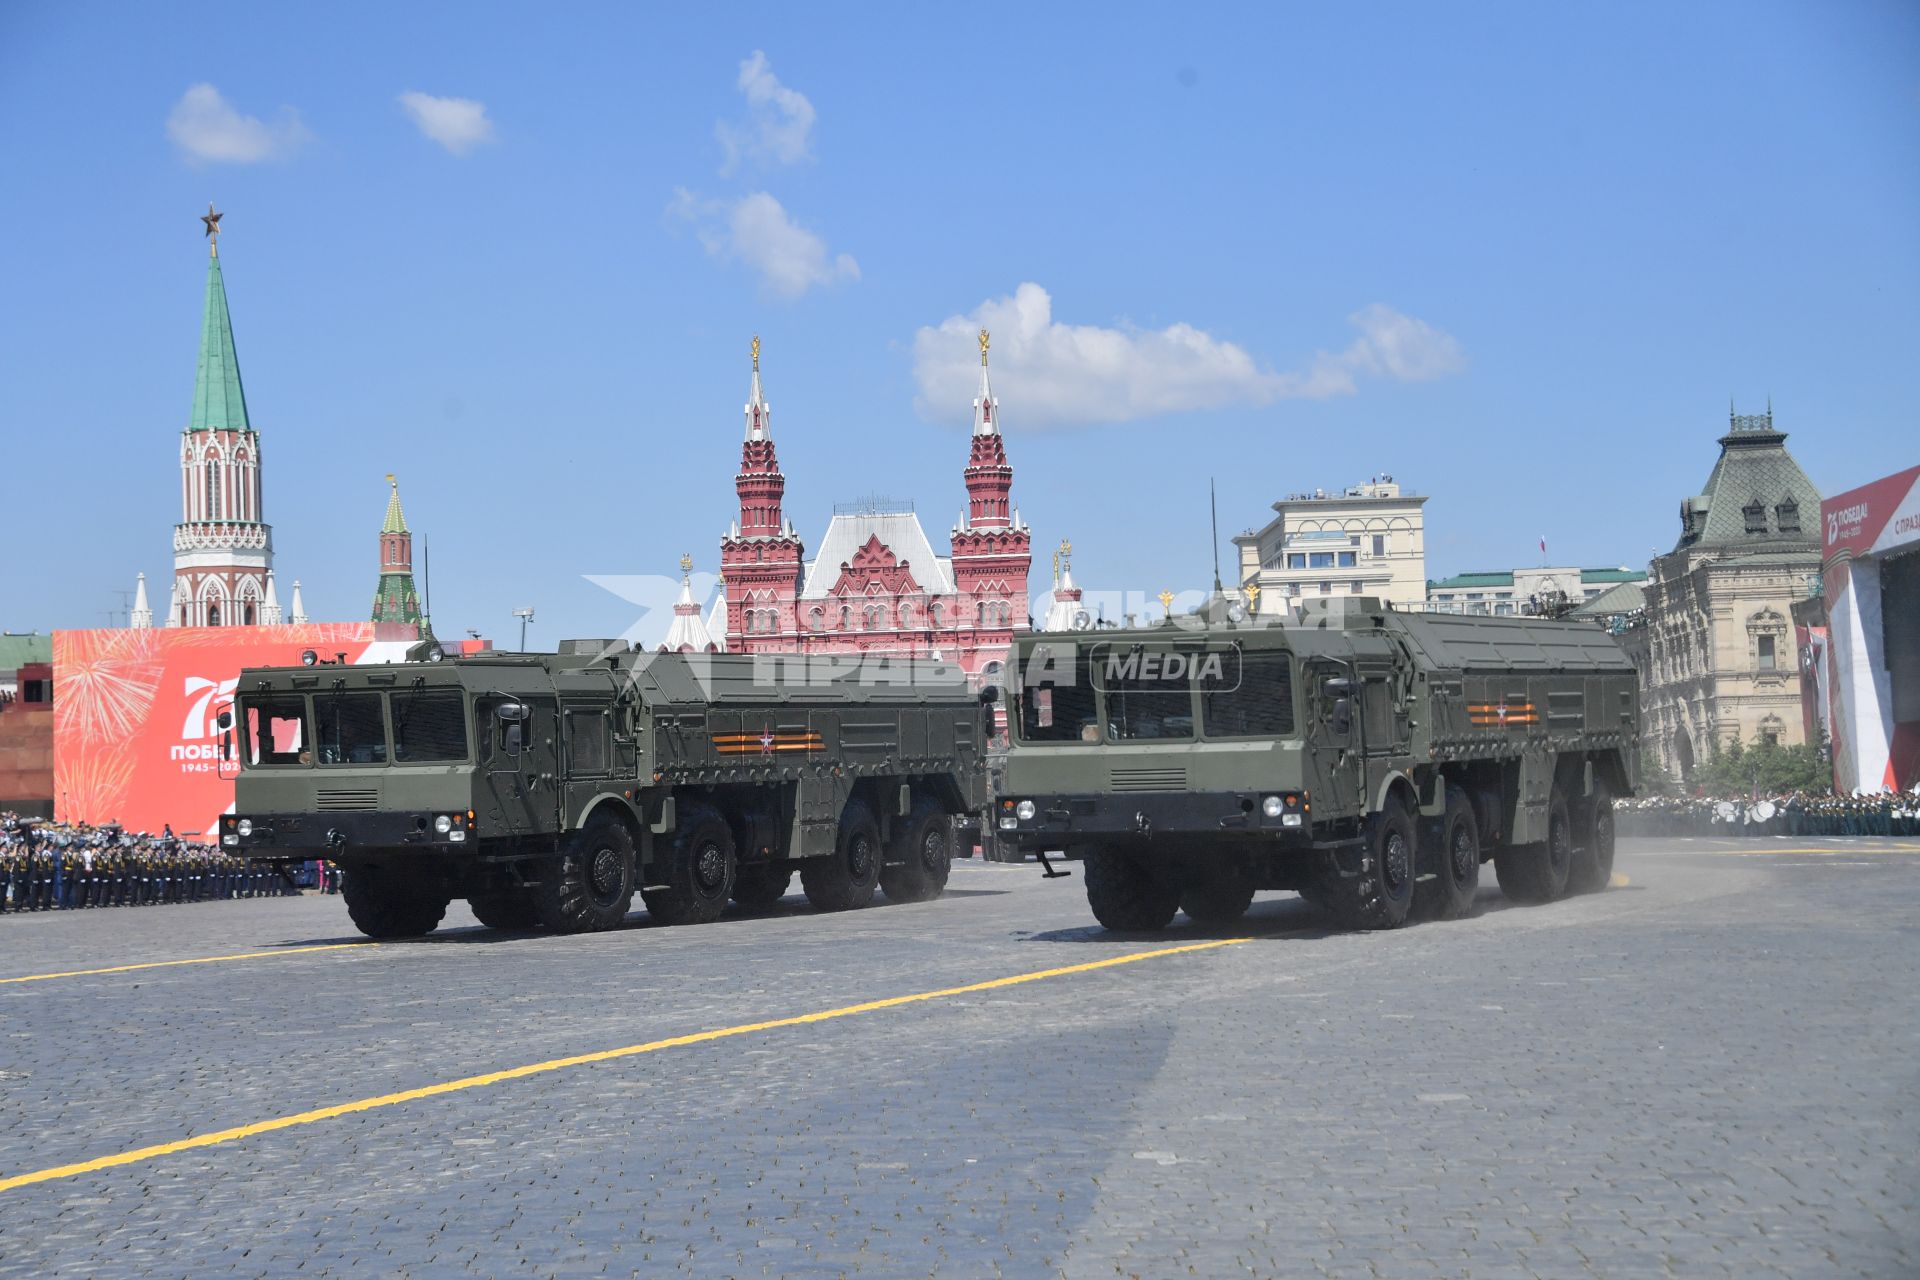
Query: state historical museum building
x=876, y=585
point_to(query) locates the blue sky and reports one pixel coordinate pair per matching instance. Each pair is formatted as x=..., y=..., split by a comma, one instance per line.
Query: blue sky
x=1518, y=255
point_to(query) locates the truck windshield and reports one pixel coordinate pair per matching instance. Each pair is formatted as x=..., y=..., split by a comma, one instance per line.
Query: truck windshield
x=349, y=729
x=273, y=730
x=1057, y=704
x=1255, y=701
x=429, y=725
x=1148, y=692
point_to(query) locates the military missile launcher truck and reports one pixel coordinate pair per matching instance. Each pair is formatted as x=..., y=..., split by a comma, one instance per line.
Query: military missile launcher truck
x=546, y=789
x=1368, y=759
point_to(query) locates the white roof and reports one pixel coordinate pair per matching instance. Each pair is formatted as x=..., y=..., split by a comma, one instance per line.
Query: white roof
x=902, y=534
x=688, y=632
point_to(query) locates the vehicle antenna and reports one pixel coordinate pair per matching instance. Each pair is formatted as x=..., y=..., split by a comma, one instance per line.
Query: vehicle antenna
x=1214, y=502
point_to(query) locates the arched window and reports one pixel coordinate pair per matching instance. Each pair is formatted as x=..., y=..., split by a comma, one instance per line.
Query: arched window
x=211, y=510
x=846, y=617
x=817, y=619
x=213, y=615
x=246, y=613
x=876, y=617
x=906, y=616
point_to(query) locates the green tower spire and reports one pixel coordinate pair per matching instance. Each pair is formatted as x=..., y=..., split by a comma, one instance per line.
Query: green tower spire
x=394, y=598
x=219, y=402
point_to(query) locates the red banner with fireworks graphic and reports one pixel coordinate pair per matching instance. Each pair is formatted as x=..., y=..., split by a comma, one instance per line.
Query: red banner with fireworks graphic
x=136, y=736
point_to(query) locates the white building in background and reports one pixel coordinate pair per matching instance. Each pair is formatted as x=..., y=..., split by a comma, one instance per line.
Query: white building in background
x=1521, y=591
x=1369, y=539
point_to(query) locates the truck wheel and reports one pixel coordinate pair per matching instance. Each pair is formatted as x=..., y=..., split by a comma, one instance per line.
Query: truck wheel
x=590, y=886
x=383, y=904
x=1126, y=896
x=1538, y=872
x=508, y=910
x=1381, y=896
x=1592, y=868
x=700, y=871
x=1218, y=901
x=1454, y=861
x=759, y=885
x=847, y=879
x=924, y=847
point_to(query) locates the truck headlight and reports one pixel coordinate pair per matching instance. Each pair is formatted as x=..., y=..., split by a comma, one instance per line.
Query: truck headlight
x=1024, y=810
x=443, y=824
x=1271, y=806
x=246, y=827
x=1008, y=822
x=230, y=840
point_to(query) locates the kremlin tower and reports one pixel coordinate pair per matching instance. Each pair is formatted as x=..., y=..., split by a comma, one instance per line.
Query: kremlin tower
x=222, y=547
x=395, y=600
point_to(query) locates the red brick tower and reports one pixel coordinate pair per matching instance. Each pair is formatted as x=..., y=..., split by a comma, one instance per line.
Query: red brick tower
x=761, y=557
x=992, y=549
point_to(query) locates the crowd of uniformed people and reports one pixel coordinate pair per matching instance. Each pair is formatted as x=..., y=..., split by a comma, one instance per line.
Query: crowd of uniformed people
x=1796, y=813
x=49, y=866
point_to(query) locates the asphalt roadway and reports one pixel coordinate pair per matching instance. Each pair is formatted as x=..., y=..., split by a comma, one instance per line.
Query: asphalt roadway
x=1710, y=1069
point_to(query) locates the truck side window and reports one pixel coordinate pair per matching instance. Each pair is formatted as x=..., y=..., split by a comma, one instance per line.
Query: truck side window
x=1376, y=708
x=1254, y=701
x=587, y=741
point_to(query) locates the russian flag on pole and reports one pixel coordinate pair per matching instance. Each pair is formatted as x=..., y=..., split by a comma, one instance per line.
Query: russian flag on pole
x=1543, y=544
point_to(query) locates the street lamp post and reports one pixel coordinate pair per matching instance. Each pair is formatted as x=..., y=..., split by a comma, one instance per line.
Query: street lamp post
x=525, y=616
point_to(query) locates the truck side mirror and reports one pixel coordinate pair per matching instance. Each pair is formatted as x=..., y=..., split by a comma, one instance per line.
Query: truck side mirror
x=226, y=744
x=989, y=694
x=1342, y=720
x=513, y=715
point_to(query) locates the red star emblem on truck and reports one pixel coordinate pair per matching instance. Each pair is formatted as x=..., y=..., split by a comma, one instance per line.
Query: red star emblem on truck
x=766, y=741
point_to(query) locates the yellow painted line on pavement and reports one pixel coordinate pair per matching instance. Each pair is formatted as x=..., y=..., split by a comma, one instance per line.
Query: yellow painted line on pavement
x=222, y=1136
x=168, y=964
x=1843, y=849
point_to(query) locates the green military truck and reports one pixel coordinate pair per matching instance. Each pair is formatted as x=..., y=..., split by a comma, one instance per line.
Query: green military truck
x=547, y=789
x=1368, y=759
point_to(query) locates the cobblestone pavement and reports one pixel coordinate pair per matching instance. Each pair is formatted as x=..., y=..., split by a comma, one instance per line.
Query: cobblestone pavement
x=1709, y=1070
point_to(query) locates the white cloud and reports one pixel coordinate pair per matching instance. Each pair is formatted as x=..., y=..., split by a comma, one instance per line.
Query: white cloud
x=206, y=127
x=458, y=124
x=757, y=231
x=1054, y=374
x=780, y=120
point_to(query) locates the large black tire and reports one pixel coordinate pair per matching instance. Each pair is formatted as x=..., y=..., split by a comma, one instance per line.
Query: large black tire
x=921, y=854
x=589, y=888
x=1381, y=896
x=758, y=886
x=1452, y=857
x=1126, y=896
x=508, y=910
x=383, y=904
x=1537, y=873
x=699, y=869
x=1592, y=868
x=847, y=879
x=1220, y=900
